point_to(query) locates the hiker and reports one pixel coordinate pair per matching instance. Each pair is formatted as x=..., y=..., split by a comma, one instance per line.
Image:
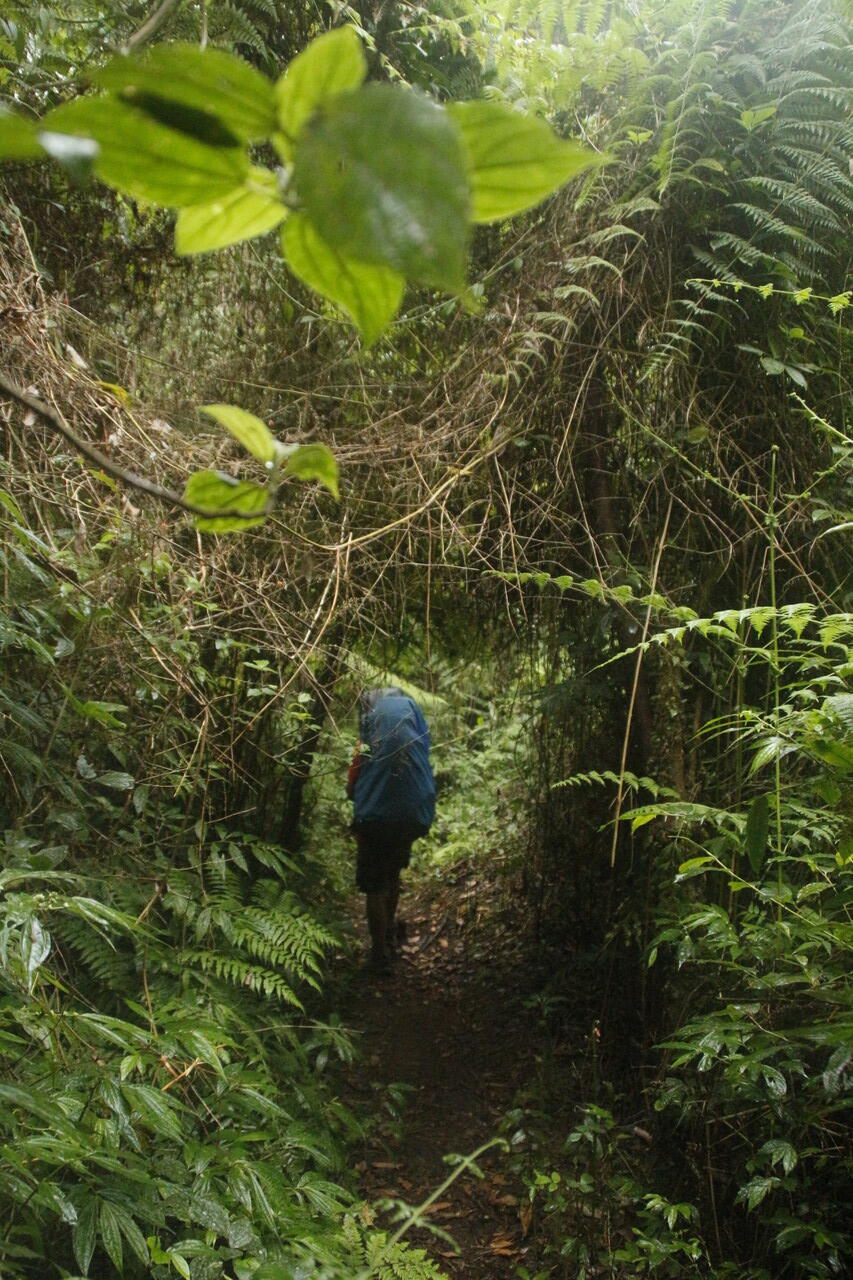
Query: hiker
x=391, y=785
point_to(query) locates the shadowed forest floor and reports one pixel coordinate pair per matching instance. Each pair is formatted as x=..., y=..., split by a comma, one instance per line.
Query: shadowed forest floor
x=450, y=1027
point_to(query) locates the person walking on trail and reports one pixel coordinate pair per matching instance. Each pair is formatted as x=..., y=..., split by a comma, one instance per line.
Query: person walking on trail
x=393, y=791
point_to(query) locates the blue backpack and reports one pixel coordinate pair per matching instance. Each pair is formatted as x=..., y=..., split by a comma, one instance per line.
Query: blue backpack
x=395, y=782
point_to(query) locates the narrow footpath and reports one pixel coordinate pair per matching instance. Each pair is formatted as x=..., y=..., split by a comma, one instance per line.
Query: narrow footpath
x=450, y=1028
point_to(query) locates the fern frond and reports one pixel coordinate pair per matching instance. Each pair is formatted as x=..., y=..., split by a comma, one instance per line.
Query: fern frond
x=240, y=973
x=99, y=959
x=795, y=199
x=740, y=249
x=720, y=271
x=396, y=1261
x=841, y=706
x=770, y=224
x=627, y=780
x=294, y=943
x=235, y=27
x=266, y=7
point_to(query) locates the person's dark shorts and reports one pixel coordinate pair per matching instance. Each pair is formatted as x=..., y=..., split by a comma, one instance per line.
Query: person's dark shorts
x=383, y=850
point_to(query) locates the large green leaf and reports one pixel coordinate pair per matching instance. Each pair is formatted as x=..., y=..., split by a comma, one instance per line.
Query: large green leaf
x=756, y=832
x=210, y=81
x=215, y=491
x=84, y=1234
x=368, y=292
x=155, y=1108
x=250, y=210
x=108, y=1229
x=35, y=948
x=118, y=781
x=18, y=139
x=514, y=160
x=42, y=1105
x=383, y=177
x=132, y=1234
x=332, y=64
x=253, y=434
x=146, y=159
x=314, y=462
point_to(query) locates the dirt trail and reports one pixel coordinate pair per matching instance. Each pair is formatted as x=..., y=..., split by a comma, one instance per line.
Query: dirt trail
x=449, y=1026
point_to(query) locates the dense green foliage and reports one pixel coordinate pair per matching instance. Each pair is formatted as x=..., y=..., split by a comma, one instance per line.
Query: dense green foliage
x=604, y=523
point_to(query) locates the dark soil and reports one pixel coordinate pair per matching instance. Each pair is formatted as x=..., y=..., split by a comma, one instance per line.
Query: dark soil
x=450, y=1026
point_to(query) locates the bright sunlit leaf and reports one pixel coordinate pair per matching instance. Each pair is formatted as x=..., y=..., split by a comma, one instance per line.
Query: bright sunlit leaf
x=249, y=210
x=18, y=139
x=214, y=491
x=331, y=65
x=314, y=462
x=514, y=160
x=210, y=81
x=146, y=159
x=253, y=434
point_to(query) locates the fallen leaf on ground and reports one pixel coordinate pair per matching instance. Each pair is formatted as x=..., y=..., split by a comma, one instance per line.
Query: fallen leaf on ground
x=503, y=1246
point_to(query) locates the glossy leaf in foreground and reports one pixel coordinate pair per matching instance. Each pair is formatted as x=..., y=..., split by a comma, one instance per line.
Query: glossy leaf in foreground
x=145, y=159
x=253, y=434
x=514, y=160
x=249, y=210
x=215, y=491
x=383, y=177
x=314, y=462
x=207, y=80
x=331, y=65
x=18, y=139
x=368, y=292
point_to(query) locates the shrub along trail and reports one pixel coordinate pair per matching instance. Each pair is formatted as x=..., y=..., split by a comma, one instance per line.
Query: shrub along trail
x=451, y=1028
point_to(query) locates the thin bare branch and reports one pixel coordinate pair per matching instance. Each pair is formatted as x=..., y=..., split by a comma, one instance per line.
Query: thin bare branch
x=55, y=420
x=150, y=26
